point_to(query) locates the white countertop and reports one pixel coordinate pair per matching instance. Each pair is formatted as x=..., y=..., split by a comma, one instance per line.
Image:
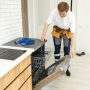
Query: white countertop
x=7, y=65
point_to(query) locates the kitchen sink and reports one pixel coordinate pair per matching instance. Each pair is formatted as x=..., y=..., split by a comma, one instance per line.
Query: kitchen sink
x=10, y=54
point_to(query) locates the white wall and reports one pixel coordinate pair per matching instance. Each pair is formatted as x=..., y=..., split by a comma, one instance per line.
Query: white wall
x=32, y=16
x=83, y=32
x=38, y=13
x=10, y=20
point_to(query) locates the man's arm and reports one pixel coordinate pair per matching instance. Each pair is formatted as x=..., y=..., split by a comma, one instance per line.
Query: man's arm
x=72, y=50
x=44, y=32
x=49, y=21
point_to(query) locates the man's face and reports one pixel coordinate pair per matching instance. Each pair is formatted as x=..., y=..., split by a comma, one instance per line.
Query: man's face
x=63, y=14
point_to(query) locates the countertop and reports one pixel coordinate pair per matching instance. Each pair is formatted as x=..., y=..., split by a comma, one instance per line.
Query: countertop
x=37, y=45
x=7, y=65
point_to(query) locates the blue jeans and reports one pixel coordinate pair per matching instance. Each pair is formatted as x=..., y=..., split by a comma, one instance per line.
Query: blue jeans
x=57, y=46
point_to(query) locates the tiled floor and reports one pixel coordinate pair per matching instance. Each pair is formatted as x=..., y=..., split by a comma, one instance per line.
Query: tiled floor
x=80, y=78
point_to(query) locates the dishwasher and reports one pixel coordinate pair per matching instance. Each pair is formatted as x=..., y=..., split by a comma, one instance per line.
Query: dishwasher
x=41, y=76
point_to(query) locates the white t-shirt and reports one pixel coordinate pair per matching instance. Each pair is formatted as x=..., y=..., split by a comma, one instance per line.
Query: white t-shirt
x=65, y=23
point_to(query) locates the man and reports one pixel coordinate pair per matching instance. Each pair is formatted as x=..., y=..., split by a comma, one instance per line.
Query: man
x=63, y=22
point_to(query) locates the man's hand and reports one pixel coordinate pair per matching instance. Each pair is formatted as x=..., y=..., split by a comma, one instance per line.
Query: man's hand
x=42, y=38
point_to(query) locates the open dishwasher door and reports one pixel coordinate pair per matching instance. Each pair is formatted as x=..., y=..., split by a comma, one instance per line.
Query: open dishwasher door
x=53, y=71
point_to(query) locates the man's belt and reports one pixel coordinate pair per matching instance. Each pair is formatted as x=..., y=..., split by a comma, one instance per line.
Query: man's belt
x=59, y=32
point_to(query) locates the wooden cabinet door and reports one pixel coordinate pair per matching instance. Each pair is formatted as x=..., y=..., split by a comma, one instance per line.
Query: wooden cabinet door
x=20, y=80
x=27, y=85
x=15, y=73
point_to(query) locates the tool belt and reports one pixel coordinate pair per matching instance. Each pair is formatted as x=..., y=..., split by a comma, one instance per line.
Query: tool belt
x=59, y=32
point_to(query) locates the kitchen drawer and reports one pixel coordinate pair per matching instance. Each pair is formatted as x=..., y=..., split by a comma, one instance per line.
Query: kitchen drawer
x=10, y=76
x=18, y=82
x=27, y=85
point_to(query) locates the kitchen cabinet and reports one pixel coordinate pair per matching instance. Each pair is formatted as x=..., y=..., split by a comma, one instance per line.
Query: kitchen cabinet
x=20, y=77
x=27, y=85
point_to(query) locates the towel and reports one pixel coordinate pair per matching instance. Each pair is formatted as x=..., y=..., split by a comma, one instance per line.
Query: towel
x=25, y=41
x=21, y=40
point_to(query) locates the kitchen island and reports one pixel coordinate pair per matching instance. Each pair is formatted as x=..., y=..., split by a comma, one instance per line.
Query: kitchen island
x=32, y=51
